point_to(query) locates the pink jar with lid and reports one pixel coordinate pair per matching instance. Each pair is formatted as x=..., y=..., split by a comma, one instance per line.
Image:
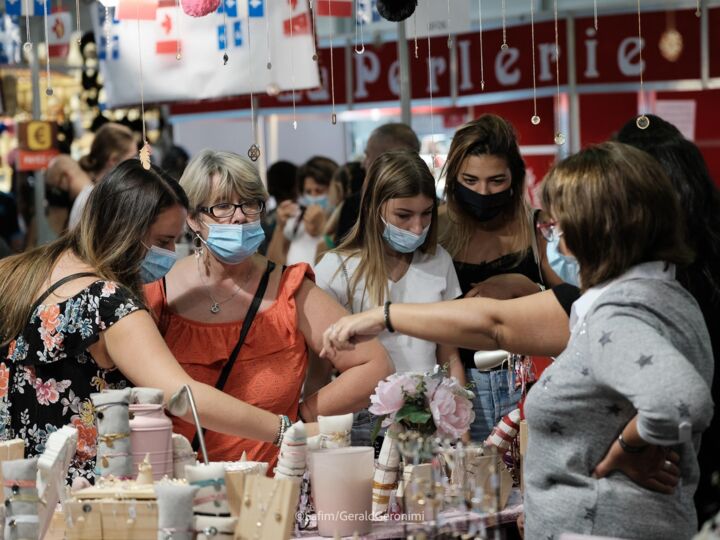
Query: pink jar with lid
x=151, y=433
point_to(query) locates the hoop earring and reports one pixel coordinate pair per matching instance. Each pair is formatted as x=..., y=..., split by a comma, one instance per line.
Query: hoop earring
x=198, y=247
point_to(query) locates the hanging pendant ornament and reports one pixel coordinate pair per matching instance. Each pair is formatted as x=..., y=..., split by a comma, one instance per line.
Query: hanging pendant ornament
x=359, y=29
x=333, y=116
x=396, y=10
x=595, y=14
x=145, y=151
x=268, y=40
x=535, y=120
x=504, y=45
x=107, y=28
x=313, y=12
x=482, y=64
x=449, y=37
x=254, y=150
x=225, y=41
x=178, y=45
x=642, y=122
x=292, y=59
x=671, y=41
x=433, y=155
x=77, y=20
x=417, y=55
x=559, y=136
x=27, y=46
x=49, y=89
x=698, y=13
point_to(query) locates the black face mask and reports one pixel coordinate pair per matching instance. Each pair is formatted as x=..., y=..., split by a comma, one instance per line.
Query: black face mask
x=482, y=207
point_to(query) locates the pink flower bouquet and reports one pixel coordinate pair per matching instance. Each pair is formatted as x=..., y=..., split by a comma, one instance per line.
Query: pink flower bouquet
x=429, y=403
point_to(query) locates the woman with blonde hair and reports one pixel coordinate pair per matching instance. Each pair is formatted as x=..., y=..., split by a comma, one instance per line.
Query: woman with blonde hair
x=113, y=143
x=237, y=321
x=392, y=255
x=490, y=231
x=74, y=322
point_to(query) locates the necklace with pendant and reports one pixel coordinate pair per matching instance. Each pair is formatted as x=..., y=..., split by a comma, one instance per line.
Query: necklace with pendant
x=215, y=306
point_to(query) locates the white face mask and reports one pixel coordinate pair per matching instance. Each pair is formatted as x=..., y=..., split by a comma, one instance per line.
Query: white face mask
x=566, y=267
x=401, y=240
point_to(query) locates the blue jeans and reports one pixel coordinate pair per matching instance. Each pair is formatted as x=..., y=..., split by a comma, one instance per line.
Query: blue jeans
x=495, y=396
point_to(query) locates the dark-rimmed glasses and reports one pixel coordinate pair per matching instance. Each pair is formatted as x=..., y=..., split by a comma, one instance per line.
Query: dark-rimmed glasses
x=226, y=209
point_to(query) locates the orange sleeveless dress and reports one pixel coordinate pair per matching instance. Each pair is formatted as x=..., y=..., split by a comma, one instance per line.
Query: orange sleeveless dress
x=268, y=373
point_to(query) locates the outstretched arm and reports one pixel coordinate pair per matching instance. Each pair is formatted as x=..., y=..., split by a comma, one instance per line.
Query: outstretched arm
x=532, y=325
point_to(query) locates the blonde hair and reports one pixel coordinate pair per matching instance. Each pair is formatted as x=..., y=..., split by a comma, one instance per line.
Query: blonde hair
x=393, y=175
x=616, y=208
x=119, y=213
x=235, y=176
x=487, y=135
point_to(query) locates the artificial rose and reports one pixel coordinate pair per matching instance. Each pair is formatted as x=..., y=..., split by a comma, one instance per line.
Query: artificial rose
x=388, y=397
x=452, y=411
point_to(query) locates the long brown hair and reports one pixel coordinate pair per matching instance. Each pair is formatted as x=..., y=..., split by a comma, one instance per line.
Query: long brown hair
x=118, y=216
x=111, y=142
x=393, y=175
x=487, y=135
x=616, y=208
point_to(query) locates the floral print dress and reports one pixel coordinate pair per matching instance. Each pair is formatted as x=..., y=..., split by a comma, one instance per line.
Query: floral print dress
x=47, y=374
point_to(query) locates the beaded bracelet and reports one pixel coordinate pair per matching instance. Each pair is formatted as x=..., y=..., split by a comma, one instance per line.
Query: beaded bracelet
x=285, y=423
x=386, y=313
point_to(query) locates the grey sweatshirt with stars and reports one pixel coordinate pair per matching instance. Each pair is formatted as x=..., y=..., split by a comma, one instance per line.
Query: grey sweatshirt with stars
x=642, y=349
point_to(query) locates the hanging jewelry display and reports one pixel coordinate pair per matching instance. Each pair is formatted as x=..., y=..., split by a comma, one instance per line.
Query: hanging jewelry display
x=482, y=64
x=642, y=122
x=48, y=90
x=268, y=40
x=698, y=13
x=595, y=14
x=27, y=46
x=254, y=150
x=145, y=150
x=559, y=136
x=77, y=19
x=292, y=59
x=359, y=29
x=449, y=40
x=107, y=28
x=671, y=41
x=333, y=117
x=535, y=118
x=504, y=45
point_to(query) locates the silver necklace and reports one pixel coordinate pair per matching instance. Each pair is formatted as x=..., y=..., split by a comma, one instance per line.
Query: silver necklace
x=215, y=306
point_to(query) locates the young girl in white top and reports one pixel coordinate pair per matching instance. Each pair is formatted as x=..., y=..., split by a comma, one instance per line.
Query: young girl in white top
x=392, y=255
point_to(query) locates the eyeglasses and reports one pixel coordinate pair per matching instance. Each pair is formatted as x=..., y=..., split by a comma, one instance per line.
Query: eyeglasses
x=226, y=209
x=550, y=230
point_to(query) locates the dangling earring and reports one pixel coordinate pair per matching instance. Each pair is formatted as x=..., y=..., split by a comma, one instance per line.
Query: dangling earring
x=198, y=246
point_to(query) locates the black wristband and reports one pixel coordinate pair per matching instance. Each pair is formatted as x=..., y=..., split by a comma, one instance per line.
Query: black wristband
x=629, y=448
x=386, y=312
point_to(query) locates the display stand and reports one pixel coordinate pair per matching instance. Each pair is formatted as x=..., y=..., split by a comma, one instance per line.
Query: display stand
x=268, y=509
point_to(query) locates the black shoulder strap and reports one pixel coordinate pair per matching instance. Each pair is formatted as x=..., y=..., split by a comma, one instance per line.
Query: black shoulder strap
x=252, y=311
x=537, y=256
x=59, y=283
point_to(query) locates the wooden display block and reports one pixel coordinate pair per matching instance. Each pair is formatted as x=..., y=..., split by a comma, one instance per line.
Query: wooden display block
x=235, y=484
x=11, y=450
x=279, y=498
x=84, y=520
x=129, y=520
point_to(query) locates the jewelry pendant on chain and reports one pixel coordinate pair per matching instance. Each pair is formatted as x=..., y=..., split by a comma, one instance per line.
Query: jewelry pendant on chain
x=215, y=308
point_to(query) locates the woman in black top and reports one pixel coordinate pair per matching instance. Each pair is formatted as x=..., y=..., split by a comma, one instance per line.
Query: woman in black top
x=490, y=231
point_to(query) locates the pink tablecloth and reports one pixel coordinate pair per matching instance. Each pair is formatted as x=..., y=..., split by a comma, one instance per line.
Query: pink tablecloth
x=451, y=518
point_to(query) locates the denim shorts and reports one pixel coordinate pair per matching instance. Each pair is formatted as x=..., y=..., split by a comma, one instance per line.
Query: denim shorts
x=495, y=396
x=363, y=425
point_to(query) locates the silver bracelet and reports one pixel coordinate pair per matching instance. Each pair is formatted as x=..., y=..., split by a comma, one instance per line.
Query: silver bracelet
x=285, y=424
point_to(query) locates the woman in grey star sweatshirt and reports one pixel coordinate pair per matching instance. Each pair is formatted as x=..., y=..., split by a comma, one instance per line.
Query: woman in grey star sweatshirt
x=638, y=366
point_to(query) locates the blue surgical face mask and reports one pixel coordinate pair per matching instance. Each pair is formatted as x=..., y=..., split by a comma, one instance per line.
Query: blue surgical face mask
x=323, y=201
x=232, y=244
x=401, y=240
x=156, y=264
x=565, y=266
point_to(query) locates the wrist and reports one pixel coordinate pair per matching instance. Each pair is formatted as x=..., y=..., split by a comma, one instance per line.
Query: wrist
x=629, y=448
x=386, y=316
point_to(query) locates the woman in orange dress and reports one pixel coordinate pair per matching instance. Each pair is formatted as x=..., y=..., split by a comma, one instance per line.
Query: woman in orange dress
x=202, y=303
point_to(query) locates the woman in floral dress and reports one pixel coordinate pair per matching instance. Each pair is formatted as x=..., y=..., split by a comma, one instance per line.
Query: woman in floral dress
x=73, y=320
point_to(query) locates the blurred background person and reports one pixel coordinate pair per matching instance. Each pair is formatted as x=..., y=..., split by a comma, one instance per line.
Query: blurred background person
x=281, y=186
x=174, y=161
